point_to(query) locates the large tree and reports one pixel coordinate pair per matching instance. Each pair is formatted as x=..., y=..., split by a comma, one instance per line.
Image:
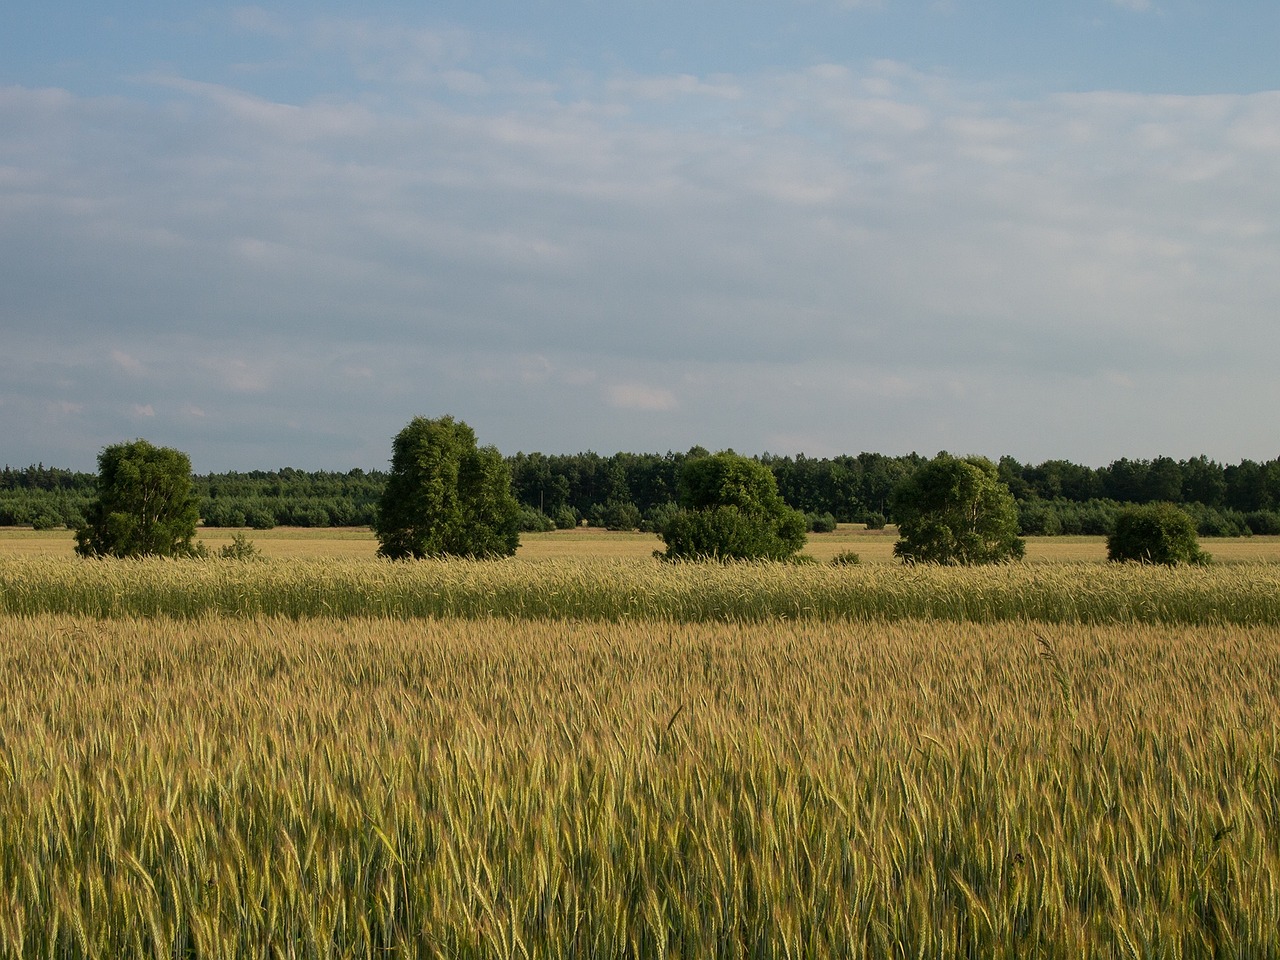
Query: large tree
x=446, y=496
x=145, y=504
x=731, y=510
x=956, y=510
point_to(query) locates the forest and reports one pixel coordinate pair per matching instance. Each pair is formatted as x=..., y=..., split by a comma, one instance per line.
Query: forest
x=626, y=491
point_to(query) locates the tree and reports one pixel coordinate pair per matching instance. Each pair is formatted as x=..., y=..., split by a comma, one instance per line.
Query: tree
x=145, y=505
x=445, y=496
x=1155, y=533
x=731, y=510
x=955, y=510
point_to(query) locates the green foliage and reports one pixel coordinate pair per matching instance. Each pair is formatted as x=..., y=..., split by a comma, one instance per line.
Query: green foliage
x=616, y=515
x=846, y=558
x=445, y=496
x=875, y=520
x=533, y=520
x=1265, y=523
x=145, y=504
x=1155, y=533
x=240, y=548
x=820, y=522
x=956, y=510
x=731, y=511
x=566, y=518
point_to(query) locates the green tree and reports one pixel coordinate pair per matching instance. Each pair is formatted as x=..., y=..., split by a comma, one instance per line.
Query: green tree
x=731, y=510
x=955, y=510
x=1155, y=533
x=146, y=505
x=445, y=496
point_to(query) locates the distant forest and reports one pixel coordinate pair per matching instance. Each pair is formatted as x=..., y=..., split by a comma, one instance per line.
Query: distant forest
x=636, y=491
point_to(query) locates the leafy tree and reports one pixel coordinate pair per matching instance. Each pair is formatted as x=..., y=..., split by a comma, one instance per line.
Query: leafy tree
x=445, y=496
x=1155, y=533
x=955, y=510
x=145, y=506
x=731, y=510
x=616, y=514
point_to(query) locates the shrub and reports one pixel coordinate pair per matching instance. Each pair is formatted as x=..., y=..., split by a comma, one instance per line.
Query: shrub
x=731, y=511
x=876, y=520
x=1155, y=533
x=657, y=517
x=846, y=558
x=566, y=518
x=533, y=520
x=260, y=518
x=820, y=522
x=1264, y=523
x=616, y=515
x=240, y=548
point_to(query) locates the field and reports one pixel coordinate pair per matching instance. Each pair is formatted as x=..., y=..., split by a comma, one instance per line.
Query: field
x=584, y=752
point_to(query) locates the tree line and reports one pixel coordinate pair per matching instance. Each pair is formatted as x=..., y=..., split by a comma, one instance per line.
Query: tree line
x=640, y=491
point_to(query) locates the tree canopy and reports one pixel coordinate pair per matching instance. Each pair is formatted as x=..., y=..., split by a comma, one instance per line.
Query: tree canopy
x=956, y=510
x=145, y=504
x=731, y=510
x=446, y=496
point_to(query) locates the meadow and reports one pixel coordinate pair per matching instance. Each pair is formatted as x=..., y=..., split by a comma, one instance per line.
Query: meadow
x=587, y=753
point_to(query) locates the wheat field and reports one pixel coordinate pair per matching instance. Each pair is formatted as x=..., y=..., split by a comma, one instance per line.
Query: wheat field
x=618, y=589
x=369, y=787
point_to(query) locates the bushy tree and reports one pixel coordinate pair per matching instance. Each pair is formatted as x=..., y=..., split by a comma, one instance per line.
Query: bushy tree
x=1155, y=533
x=731, y=510
x=146, y=505
x=955, y=510
x=445, y=496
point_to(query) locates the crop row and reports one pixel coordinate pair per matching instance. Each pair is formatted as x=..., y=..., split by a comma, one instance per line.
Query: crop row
x=617, y=590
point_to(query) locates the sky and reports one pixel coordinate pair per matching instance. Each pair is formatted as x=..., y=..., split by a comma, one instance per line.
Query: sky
x=272, y=235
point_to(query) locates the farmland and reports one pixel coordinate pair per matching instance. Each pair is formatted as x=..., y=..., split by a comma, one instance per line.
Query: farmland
x=586, y=752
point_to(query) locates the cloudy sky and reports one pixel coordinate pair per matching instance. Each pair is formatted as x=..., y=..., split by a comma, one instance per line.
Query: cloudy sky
x=270, y=235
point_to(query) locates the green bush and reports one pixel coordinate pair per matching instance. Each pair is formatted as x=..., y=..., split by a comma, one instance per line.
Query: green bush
x=533, y=520
x=820, y=522
x=1155, y=533
x=1264, y=523
x=240, y=548
x=616, y=515
x=728, y=533
x=846, y=558
x=731, y=511
x=566, y=518
x=875, y=520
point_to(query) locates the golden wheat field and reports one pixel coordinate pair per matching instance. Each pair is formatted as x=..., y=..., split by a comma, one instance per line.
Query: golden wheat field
x=593, y=754
x=492, y=788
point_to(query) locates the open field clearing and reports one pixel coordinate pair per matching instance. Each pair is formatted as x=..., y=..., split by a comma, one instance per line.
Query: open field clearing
x=613, y=590
x=344, y=788
x=874, y=546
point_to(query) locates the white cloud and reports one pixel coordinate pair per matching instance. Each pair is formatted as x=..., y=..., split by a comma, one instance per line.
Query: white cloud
x=641, y=397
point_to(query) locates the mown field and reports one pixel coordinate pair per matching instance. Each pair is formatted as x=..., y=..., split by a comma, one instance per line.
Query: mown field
x=586, y=753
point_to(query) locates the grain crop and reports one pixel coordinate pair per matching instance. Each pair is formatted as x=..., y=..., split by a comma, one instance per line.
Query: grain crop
x=259, y=786
x=617, y=590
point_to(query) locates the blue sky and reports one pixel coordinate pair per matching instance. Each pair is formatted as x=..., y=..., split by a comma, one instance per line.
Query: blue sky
x=270, y=235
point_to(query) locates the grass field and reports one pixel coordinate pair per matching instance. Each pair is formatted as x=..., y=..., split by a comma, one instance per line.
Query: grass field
x=584, y=752
x=873, y=546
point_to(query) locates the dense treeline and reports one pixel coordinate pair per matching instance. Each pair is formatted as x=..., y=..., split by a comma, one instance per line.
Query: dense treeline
x=630, y=491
